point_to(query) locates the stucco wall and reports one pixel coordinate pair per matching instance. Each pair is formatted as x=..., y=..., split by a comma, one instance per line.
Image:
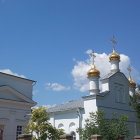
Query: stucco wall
x=21, y=85
x=11, y=116
x=69, y=120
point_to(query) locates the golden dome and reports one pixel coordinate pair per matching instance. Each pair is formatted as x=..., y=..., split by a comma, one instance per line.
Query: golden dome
x=132, y=83
x=93, y=72
x=114, y=56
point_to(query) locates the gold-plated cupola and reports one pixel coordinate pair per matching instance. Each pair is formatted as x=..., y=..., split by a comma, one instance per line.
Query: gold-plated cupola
x=93, y=71
x=132, y=83
x=114, y=56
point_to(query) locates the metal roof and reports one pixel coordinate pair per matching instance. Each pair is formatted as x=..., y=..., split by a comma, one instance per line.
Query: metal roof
x=16, y=76
x=67, y=106
x=107, y=75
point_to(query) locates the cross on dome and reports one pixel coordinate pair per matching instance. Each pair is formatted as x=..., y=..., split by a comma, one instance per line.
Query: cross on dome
x=114, y=42
x=93, y=72
x=114, y=55
x=92, y=57
x=129, y=70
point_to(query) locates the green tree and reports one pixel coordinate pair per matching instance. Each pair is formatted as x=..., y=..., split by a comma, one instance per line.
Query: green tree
x=40, y=127
x=135, y=102
x=109, y=129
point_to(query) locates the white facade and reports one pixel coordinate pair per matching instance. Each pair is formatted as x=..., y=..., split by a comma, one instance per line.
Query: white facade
x=93, y=85
x=15, y=105
x=114, y=97
x=115, y=65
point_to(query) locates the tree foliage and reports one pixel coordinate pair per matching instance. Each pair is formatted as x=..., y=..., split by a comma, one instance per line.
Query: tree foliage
x=135, y=102
x=110, y=129
x=40, y=127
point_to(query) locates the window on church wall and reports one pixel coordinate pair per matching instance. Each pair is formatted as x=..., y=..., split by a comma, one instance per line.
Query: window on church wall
x=73, y=134
x=72, y=129
x=19, y=131
x=120, y=96
x=60, y=126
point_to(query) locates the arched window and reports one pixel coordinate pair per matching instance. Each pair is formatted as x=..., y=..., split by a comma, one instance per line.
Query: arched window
x=73, y=134
x=72, y=126
x=60, y=126
x=72, y=130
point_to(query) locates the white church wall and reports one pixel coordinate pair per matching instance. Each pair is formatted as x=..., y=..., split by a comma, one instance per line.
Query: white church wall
x=22, y=85
x=14, y=107
x=11, y=117
x=89, y=106
x=104, y=86
x=118, y=97
x=67, y=120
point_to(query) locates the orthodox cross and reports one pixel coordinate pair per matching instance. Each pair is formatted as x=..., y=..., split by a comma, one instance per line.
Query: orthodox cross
x=92, y=57
x=129, y=70
x=114, y=42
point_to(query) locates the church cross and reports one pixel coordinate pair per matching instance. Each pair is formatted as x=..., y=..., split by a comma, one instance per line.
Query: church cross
x=129, y=70
x=114, y=42
x=92, y=57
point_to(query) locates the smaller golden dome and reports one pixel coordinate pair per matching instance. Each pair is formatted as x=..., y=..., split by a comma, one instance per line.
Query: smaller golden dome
x=114, y=56
x=132, y=83
x=93, y=72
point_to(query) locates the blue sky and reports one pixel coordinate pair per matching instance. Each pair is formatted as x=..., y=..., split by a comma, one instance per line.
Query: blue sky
x=43, y=39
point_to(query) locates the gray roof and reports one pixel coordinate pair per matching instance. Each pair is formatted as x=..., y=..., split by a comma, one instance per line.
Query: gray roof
x=16, y=76
x=107, y=75
x=67, y=106
x=111, y=74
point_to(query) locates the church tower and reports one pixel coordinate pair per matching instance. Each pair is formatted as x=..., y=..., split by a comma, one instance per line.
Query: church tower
x=93, y=76
x=132, y=83
x=114, y=58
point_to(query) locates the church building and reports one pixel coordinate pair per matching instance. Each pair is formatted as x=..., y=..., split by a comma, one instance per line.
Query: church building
x=15, y=105
x=114, y=97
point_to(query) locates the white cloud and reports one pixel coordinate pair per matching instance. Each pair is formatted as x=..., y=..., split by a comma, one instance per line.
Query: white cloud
x=8, y=71
x=79, y=71
x=56, y=87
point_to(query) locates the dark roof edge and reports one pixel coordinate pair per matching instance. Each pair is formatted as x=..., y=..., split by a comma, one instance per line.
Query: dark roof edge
x=17, y=76
x=101, y=94
x=111, y=74
x=65, y=109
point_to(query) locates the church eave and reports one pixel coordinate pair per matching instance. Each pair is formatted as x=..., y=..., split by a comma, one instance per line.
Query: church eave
x=67, y=106
x=101, y=94
x=70, y=109
x=17, y=102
